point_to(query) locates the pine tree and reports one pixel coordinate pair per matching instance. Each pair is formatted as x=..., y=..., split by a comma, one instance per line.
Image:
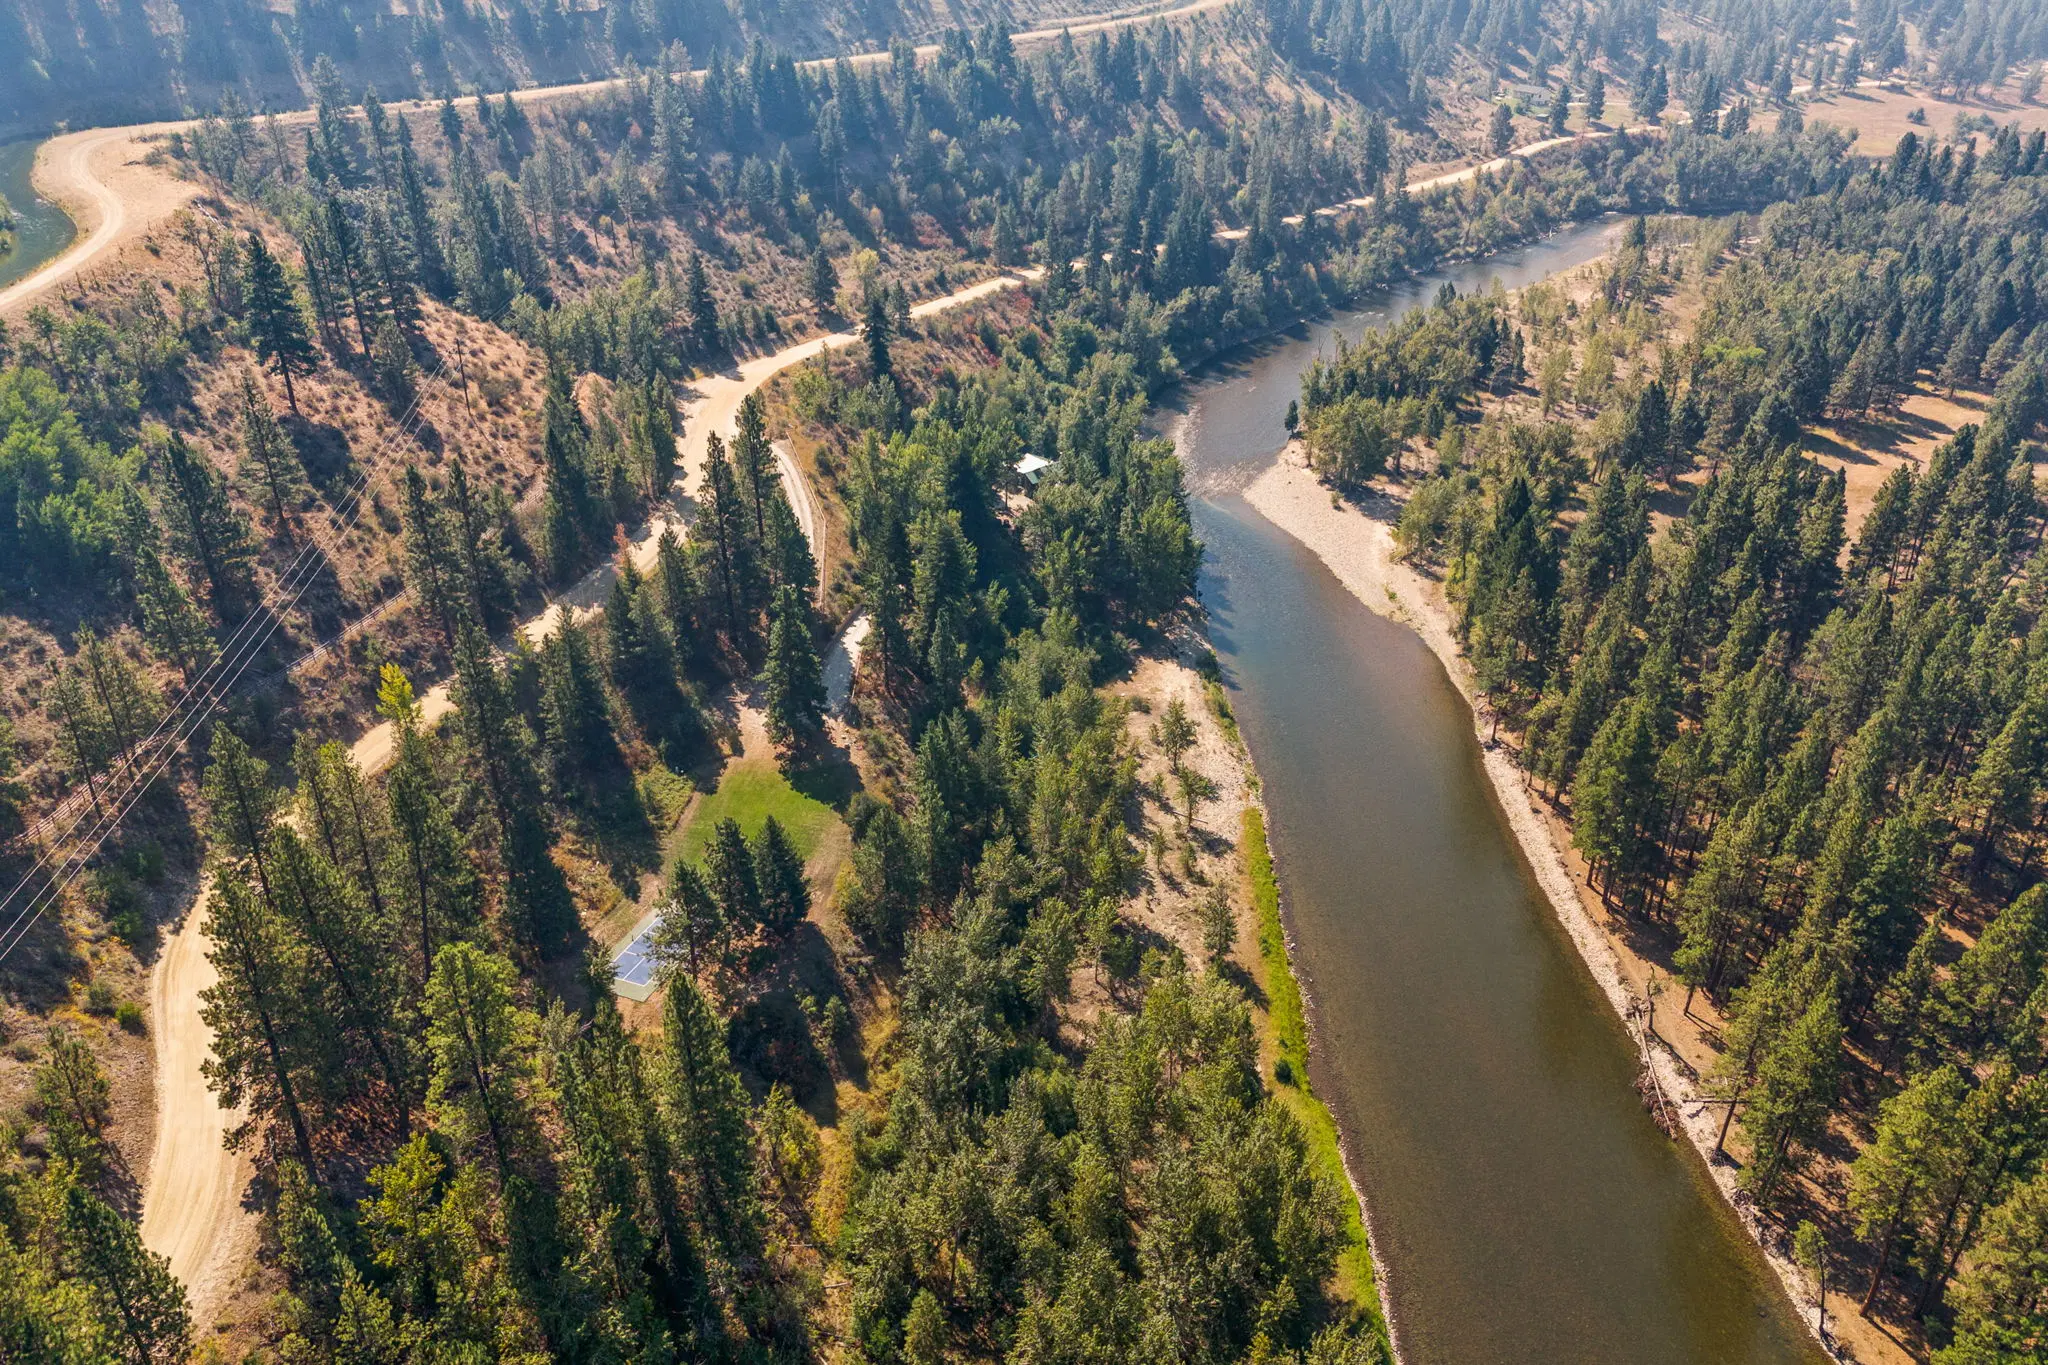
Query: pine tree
x=480, y=546
x=269, y=457
x=1500, y=132
x=822, y=281
x=693, y=930
x=1007, y=247
x=569, y=514
x=431, y=558
x=171, y=620
x=732, y=560
x=705, y=333
x=339, y=812
x=2002, y=1302
x=573, y=707
x=1653, y=95
x=342, y=247
x=779, y=872
x=350, y=954
x=792, y=680
x=265, y=1047
x=1988, y=999
x=419, y=221
x=786, y=548
x=242, y=807
x=275, y=323
x=675, y=580
x=1891, y=1179
x=1560, y=110
x=207, y=525
x=1644, y=447
x=881, y=900
x=501, y=747
x=391, y=358
x=481, y=1045
x=84, y=734
x=1794, y=1092
x=71, y=1090
x=121, y=694
x=729, y=871
x=437, y=898
x=131, y=1287
x=704, y=1110
x=875, y=331
x=753, y=460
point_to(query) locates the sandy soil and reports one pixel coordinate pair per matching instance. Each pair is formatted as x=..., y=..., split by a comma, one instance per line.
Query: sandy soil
x=1357, y=545
x=798, y=492
x=192, y=1210
x=1168, y=905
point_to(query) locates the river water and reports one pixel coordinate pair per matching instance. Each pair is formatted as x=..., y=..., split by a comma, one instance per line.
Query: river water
x=41, y=229
x=1524, y=1204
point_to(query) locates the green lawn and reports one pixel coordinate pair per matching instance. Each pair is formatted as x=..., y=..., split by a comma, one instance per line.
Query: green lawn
x=751, y=791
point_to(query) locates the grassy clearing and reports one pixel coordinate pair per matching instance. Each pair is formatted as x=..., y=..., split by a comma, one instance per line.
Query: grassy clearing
x=750, y=791
x=1290, y=1036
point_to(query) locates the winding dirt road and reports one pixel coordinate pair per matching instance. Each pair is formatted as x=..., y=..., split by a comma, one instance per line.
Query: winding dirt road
x=193, y=1212
x=100, y=177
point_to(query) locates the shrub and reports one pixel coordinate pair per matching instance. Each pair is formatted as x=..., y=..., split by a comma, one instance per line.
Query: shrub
x=128, y=1015
x=99, y=998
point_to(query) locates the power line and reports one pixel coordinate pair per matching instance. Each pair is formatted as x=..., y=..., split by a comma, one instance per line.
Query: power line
x=242, y=650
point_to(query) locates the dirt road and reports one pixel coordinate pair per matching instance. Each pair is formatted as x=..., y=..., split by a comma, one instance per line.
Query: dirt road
x=101, y=179
x=192, y=1210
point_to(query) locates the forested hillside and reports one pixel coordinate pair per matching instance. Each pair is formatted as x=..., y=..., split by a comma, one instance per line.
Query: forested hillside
x=101, y=64
x=1798, y=750
x=371, y=586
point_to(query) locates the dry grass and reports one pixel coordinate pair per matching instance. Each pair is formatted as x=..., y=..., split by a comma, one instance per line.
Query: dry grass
x=1868, y=451
x=1879, y=115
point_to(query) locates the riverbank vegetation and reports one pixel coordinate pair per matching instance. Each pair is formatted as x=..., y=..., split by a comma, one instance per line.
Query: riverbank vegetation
x=1796, y=752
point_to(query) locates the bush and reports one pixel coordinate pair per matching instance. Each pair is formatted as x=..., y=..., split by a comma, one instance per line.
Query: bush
x=99, y=998
x=1426, y=520
x=1351, y=441
x=121, y=904
x=128, y=1015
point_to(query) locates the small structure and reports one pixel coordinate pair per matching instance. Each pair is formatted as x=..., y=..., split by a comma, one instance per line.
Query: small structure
x=1033, y=467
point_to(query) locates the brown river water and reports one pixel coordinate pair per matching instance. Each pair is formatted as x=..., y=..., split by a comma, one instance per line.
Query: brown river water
x=1523, y=1203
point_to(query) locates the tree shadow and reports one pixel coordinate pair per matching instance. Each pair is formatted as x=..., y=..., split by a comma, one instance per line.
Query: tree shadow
x=323, y=449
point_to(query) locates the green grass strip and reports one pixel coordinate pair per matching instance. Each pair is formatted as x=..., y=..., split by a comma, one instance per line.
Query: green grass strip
x=751, y=791
x=1290, y=1035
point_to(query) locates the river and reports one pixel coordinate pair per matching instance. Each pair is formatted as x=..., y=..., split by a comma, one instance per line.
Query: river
x=1525, y=1206
x=41, y=229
